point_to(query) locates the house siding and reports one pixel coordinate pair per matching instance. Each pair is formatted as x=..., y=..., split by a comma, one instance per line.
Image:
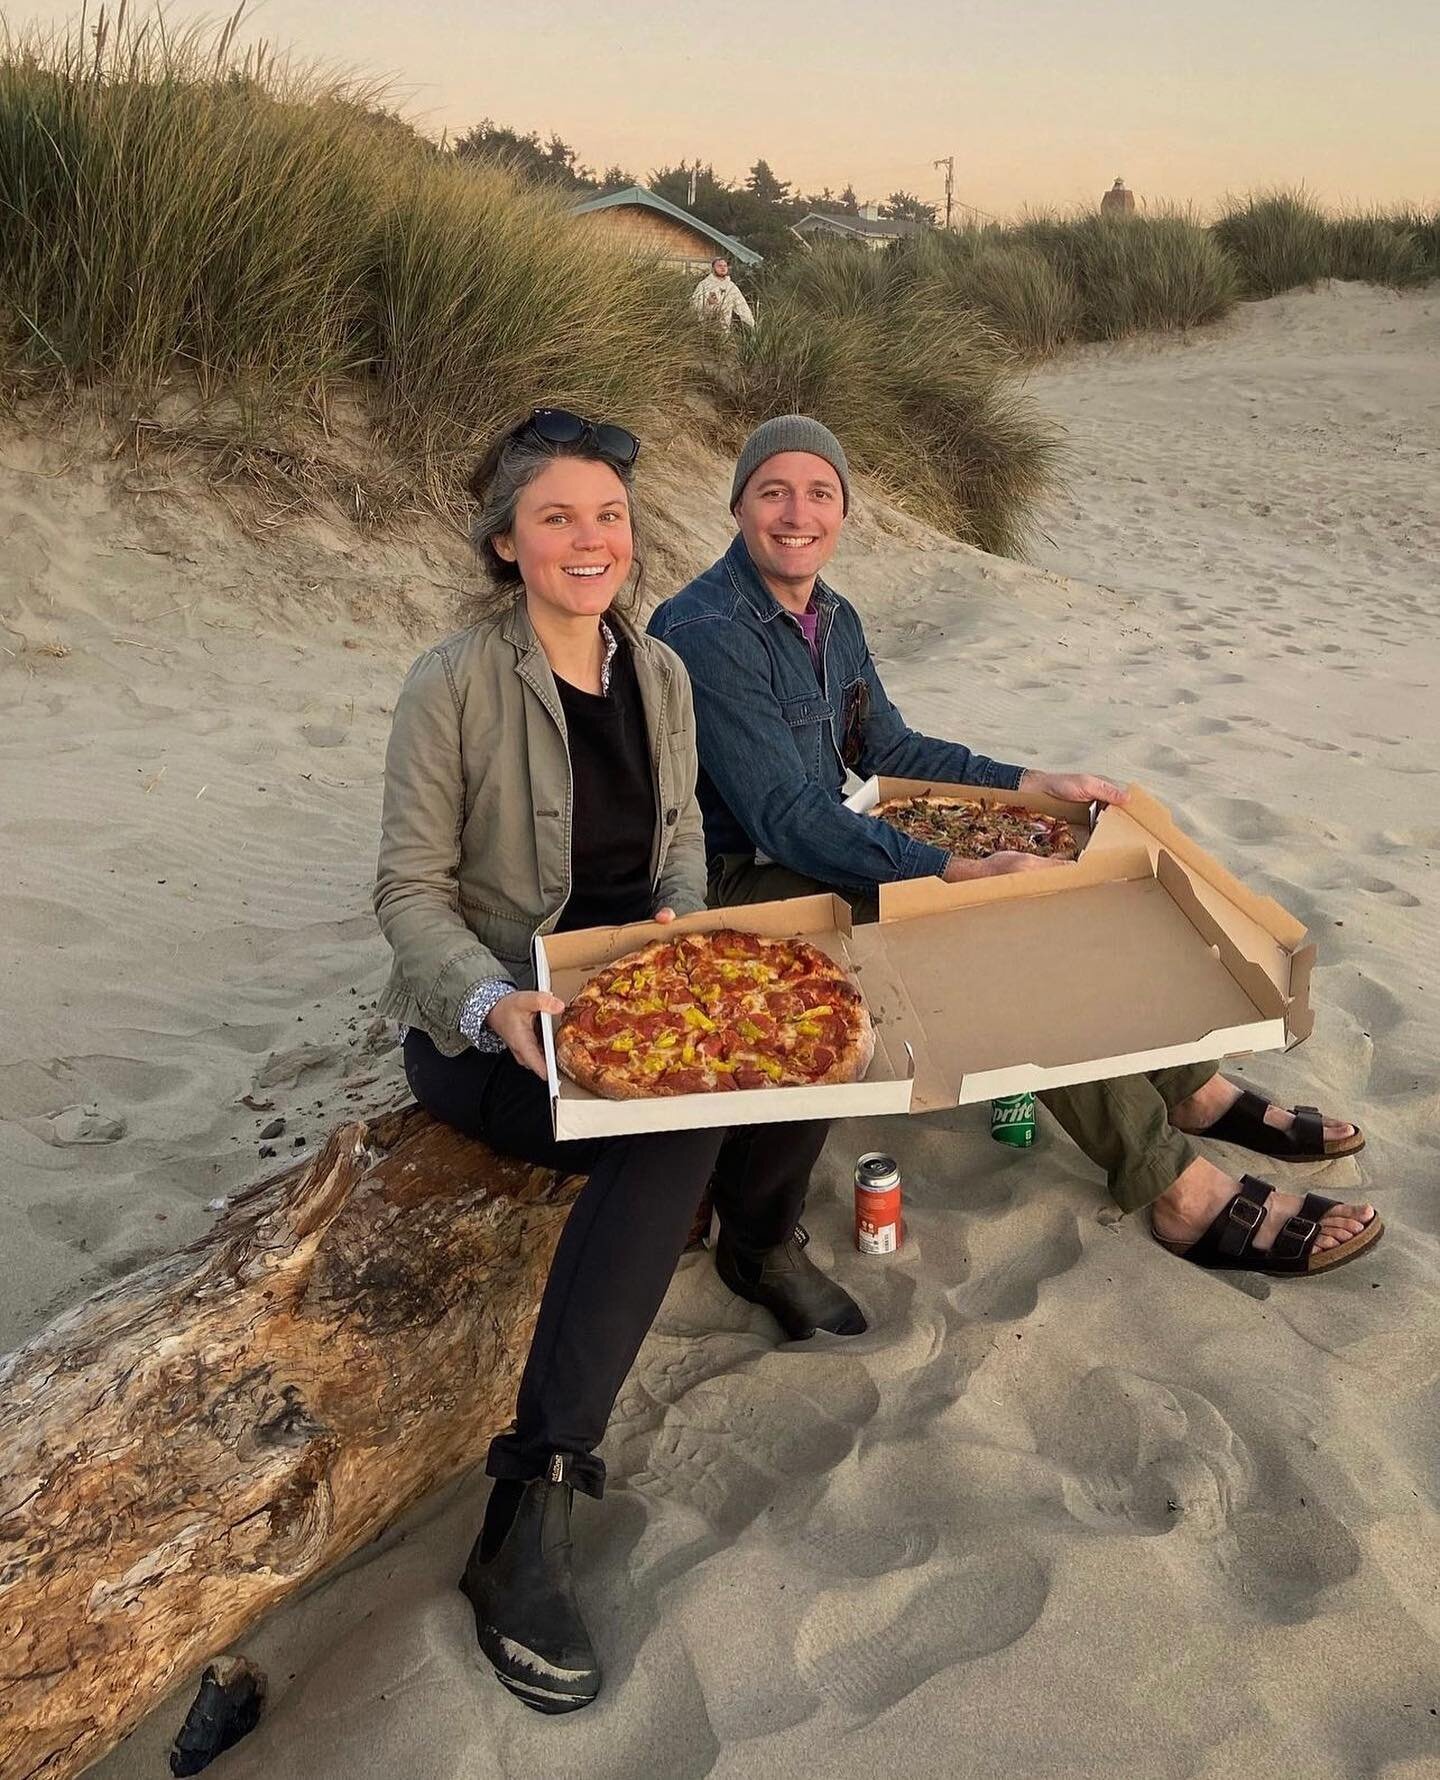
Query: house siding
x=647, y=232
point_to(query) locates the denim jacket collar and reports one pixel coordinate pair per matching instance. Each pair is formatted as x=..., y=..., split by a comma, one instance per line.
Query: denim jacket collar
x=745, y=579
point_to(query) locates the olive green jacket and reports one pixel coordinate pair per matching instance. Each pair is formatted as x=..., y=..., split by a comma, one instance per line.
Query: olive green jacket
x=475, y=832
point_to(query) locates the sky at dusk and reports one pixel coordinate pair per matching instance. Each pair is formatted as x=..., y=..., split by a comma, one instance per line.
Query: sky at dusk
x=1041, y=102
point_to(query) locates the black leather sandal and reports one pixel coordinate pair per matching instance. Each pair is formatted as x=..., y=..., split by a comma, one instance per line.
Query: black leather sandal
x=1305, y=1141
x=1226, y=1245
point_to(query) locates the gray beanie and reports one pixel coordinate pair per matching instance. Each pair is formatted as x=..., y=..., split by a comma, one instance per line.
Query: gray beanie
x=790, y=432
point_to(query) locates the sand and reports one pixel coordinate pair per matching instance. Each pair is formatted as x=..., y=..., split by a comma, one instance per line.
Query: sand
x=1070, y=1507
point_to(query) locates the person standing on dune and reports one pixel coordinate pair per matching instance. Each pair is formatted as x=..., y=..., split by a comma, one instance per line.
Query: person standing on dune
x=718, y=298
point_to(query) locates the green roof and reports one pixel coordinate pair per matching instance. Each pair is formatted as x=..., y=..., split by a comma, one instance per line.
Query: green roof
x=647, y=200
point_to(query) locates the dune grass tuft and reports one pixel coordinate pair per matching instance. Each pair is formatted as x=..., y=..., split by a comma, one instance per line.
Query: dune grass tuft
x=1278, y=240
x=1374, y=249
x=173, y=208
x=924, y=395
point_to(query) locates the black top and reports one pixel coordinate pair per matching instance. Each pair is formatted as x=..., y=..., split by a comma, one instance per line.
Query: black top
x=613, y=830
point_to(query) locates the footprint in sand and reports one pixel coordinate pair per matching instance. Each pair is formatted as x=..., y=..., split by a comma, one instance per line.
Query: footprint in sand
x=1246, y=819
x=1383, y=887
x=1141, y=1456
x=866, y=1646
x=802, y=1414
x=1011, y=1258
x=1280, y=1561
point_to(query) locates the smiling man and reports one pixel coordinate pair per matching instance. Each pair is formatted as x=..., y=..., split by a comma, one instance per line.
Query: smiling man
x=787, y=700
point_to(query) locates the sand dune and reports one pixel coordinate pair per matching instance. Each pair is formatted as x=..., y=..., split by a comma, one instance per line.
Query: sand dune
x=1070, y=1508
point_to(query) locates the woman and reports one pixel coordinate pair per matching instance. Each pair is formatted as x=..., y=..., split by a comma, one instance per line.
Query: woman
x=541, y=777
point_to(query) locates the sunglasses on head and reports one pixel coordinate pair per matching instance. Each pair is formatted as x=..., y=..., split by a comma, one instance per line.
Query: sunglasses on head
x=558, y=426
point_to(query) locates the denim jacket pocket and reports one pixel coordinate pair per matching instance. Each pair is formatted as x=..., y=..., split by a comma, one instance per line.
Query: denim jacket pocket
x=809, y=719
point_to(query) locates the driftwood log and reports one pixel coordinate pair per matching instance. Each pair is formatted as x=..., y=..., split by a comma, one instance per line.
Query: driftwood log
x=201, y=1439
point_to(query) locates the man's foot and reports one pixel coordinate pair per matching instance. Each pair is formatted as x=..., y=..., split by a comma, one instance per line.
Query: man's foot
x=790, y=1286
x=519, y=1581
x=1208, y=1105
x=1183, y=1213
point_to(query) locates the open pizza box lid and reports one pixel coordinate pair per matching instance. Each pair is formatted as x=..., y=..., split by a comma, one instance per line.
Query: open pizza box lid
x=565, y=961
x=1143, y=954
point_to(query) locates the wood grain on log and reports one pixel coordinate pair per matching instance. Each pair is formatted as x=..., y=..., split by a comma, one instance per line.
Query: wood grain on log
x=199, y=1440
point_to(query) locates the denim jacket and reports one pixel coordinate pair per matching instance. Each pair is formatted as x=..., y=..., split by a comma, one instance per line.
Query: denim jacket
x=776, y=741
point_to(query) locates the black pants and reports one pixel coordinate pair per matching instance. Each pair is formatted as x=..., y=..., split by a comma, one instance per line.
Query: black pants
x=620, y=1244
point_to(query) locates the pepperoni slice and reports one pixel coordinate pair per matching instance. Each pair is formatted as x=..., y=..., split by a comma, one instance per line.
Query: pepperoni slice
x=685, y=1081
x=747, y=1077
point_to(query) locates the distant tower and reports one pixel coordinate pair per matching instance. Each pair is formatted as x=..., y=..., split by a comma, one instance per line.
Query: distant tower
x=1118, y=201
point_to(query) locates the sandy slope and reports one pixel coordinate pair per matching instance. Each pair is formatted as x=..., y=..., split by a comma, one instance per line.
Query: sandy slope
x=1070, y=1508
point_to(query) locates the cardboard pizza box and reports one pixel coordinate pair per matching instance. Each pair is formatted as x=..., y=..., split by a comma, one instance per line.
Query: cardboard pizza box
x=1264, y=933
x=1144, y=953
x=565, y=961
x=1120, y=970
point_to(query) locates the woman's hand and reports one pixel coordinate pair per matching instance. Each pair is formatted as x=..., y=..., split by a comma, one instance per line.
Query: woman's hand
x=513, y=1019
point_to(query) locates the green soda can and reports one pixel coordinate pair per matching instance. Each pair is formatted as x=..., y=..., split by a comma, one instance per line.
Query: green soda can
x=1012, y=1120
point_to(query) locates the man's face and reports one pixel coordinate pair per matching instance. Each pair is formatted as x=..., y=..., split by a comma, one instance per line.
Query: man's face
x=721, y=268
x=790, y=517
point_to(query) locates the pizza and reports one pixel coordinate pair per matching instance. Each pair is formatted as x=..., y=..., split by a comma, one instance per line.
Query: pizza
x=711, y=1012
x=973, y=830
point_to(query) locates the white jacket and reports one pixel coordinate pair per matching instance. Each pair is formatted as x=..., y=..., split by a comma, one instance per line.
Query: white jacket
x=720, y=299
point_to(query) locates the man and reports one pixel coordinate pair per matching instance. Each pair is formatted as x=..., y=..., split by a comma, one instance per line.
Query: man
x=718, y=298
x=787, y=698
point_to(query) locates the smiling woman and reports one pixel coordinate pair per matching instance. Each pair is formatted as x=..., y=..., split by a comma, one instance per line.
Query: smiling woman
x=541, y=777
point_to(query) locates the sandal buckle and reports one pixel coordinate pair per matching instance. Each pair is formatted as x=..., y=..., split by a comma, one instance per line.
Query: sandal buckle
x=1246, y=1213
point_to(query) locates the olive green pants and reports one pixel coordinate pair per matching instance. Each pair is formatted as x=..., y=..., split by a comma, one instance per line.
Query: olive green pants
x=1123, y=1126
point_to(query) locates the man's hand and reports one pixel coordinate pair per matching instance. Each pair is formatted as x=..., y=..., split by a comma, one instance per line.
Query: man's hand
x=1072, y=787
x=513, y=1019
x=665, y=916
x=998, y=865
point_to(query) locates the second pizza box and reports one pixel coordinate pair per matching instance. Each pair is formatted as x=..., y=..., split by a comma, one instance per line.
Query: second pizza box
x=1144, y=953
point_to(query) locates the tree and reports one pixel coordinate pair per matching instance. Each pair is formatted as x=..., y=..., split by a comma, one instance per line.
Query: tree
x=849, y=203
x=906, y=207
x=552, y=163
x=735, y=210
x=617, y=179
x=763, y=184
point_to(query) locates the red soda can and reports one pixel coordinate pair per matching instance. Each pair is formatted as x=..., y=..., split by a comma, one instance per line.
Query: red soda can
x=879, y=1227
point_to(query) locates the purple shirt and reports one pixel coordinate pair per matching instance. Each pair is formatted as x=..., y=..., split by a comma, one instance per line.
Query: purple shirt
x=809, y=622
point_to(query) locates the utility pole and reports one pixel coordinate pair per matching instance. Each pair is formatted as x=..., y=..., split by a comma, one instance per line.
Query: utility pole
x=694, y=173
x=949, y=165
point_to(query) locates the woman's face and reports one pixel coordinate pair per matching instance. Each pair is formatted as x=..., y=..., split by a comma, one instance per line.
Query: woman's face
x=571, y=537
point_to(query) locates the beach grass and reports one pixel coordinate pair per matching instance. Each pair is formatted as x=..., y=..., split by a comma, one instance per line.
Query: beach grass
x=1279, y=241
x=177, y=213
x=1135, y=274
x=924, y=394
x=184, y=216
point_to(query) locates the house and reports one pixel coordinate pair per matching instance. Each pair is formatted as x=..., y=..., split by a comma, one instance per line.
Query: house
x=867, y=226
x=649, y=224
